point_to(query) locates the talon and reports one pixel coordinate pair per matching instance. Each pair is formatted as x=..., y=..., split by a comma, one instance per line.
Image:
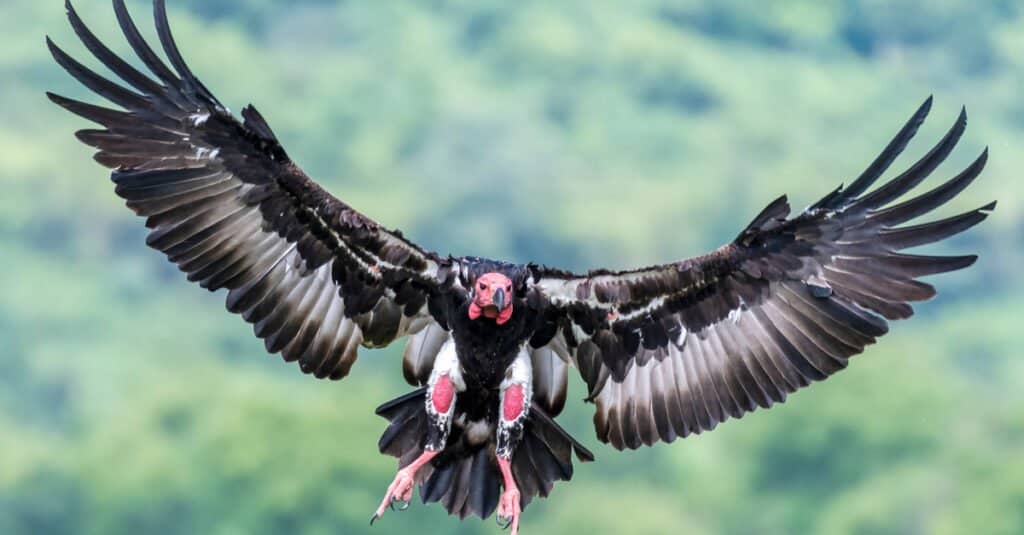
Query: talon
x=401, y=489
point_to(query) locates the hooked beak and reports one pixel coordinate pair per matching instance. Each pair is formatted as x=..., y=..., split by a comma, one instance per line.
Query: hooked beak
x=498, y=299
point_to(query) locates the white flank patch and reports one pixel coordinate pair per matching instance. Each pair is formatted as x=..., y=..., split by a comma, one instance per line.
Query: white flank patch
x=447, y=363
x=520, y=372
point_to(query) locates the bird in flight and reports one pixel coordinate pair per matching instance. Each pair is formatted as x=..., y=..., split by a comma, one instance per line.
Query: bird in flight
x=665, y=351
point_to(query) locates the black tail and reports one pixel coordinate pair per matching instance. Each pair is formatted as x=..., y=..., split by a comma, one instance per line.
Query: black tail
x=465, y=478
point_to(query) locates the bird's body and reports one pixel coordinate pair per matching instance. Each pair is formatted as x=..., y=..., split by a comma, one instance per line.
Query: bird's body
x=665, y=351
x=486, y=349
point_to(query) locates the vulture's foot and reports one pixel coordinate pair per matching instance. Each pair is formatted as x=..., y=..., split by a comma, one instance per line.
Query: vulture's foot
x=509, y=510
x=510, y=506
x=400, y=489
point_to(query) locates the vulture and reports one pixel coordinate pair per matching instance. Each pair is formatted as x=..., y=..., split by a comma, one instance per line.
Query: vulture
x=665, y=351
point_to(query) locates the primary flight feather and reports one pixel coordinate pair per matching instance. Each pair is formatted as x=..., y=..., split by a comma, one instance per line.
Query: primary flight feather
x=665, y=351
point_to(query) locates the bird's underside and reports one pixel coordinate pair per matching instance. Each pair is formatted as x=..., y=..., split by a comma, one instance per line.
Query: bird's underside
x=665, y=351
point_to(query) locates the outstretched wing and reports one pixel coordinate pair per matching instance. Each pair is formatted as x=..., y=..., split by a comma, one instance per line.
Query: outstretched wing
x=675, y=349
x=225, y=203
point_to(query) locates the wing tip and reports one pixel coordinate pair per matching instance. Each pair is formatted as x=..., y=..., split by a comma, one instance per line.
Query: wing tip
x=66, y=62
x=880, y=164
x=52, y=45
x=982, y=158
x=84, y=137
x=961, y=119
x=947, y=264
x=56, y=99
x=920, y=170
x=924, y=109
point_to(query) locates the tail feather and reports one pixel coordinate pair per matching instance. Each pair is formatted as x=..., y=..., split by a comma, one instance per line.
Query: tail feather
x=408, y=427
x=452, y=480
x=485, y=486
x=544, y=456
x=456, y=500
x=465, y=478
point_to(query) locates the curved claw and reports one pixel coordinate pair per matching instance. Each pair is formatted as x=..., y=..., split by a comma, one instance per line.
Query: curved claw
x=400, y=491
x=503, y=521
x=509, y=510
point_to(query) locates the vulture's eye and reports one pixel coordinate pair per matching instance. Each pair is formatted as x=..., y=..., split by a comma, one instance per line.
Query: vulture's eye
x=483, y=286
x=508, y=288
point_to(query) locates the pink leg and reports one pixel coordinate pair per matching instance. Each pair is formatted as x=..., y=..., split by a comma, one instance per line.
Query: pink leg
x=509, y=507
x=401, y=488
x=512, y=415
x=441, y=398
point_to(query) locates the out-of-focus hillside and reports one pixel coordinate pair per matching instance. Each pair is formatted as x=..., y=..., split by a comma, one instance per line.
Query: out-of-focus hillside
x=610, y=134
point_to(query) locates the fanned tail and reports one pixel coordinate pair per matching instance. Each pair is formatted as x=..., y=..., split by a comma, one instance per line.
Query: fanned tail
x=465, y=478
x=544, y=456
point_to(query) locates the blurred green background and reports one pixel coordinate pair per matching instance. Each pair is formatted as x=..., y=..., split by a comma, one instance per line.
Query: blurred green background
x=130, y=402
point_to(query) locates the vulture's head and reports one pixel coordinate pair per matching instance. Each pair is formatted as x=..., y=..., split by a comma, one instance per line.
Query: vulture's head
x=492, y=298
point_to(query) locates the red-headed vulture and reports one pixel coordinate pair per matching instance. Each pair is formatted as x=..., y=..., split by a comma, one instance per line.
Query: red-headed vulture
x=665, y=351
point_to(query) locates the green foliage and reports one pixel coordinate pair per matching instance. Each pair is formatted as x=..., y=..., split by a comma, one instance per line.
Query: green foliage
x=577, y=133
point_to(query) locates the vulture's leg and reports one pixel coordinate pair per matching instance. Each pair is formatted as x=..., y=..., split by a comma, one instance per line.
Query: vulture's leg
x=516, y=396
x=445, y=382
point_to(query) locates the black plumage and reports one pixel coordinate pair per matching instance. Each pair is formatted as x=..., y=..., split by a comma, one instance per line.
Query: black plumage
x=665, y=351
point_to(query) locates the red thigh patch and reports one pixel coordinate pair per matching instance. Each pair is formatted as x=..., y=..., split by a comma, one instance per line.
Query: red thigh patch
x=512, y=405
x=444, y=392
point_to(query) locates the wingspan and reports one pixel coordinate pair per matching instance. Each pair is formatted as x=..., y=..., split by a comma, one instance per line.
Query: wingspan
x=671, y=350
x=224, y=202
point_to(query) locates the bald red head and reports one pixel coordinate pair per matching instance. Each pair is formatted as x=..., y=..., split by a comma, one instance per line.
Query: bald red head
x=492, y=298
